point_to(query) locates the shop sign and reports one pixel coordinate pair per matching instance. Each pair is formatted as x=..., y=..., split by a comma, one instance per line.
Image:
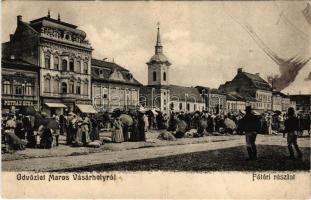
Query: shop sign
x=17, y=103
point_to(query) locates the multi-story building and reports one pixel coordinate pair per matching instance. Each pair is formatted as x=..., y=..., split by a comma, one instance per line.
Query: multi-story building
x=63, y=55
x=235, y=102
x=280, y=101
x=215, y=101
x=19, y=84
x=257, y=91
x=160, y=94
x=303, y=102
x=113, y=86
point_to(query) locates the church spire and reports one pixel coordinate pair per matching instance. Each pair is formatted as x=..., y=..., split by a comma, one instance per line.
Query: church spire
x=158, y=46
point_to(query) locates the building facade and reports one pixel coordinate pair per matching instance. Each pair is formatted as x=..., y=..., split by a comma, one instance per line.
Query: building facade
x=303, y=102
x=160, y=94
x=235, y=103
x=64, y=57
x=256, y=91
x=113, y=86
x=214, y=100
x=280, y=101
x=19, y=82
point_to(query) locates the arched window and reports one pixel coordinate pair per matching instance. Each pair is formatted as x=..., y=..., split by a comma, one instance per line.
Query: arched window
x=47, y=85
x=64, y=88
x=85, y=89
x=56, y=86
x=64, y=65
x=56, y=63
x=154, y=76
x=28, y=90
x=18, y=88
x=71, y=66
x=78, y=66
x=164, y=76
x=85, y=68
x=78, y=88
x=6, y=89
x=71, y=87
x=172, y=106
x=47, y=61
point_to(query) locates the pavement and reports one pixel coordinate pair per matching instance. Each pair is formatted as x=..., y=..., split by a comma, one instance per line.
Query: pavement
x=59, y=163
x=66, y=150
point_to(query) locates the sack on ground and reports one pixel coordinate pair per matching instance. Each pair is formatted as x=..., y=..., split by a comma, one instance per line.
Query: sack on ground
x=95, y=144
x=166, y=136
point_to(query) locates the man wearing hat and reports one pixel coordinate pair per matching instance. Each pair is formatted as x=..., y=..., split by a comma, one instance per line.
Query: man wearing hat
x=250, y=124
x=291, y=128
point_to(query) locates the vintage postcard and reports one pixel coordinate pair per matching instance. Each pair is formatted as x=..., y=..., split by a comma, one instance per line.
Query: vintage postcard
x=155, y=99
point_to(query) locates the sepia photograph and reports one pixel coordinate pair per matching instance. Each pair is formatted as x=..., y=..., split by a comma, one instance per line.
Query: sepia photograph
x=95, y=89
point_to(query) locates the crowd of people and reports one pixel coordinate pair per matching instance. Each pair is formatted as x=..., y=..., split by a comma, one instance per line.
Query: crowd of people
x=37, y=130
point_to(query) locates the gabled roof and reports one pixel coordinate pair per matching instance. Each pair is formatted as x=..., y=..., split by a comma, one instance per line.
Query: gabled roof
x=234, y=96
x=182, y=93
x=103, y=71
x=257, y=81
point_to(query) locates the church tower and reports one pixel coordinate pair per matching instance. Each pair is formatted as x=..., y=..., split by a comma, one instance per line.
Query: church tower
x=158, y=65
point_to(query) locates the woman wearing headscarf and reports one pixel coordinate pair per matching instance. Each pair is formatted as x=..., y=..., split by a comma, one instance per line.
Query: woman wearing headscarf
x=117, y=133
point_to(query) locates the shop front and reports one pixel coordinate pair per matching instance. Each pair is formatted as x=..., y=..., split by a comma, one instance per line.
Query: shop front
x=19, y=83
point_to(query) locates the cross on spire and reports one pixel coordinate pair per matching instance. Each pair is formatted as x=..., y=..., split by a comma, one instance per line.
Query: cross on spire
x=158, y=47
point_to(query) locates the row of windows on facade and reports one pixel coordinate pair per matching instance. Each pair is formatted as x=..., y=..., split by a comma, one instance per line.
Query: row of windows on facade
x=18, y=88
x=234, y=106
x=74, y=66
x=64, y=88
x=264, y=105
x=263, y=97
x=113, y=93
x=154, y=76
x=181, y=106
x=114, y=101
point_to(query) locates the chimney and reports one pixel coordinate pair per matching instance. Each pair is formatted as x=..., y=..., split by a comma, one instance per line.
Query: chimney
x=19, y=19
x=240, y=70
x=11, y=37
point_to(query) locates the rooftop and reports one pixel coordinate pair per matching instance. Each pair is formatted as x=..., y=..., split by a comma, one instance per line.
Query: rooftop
x=103, y=71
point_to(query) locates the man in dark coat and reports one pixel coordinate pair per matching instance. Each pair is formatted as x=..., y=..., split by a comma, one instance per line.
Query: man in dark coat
x=141, y=127
x=31, y=138
x=250, y=124
x=172, y=123
x=291, y=128
x=19, y=130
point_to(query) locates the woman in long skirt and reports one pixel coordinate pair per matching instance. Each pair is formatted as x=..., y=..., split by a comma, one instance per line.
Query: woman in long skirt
x=117, y=133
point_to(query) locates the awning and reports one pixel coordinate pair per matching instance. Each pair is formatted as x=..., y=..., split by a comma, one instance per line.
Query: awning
x=86, y=108
x=55, y=105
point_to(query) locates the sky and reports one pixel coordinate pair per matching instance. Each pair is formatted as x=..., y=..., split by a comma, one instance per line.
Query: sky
x=202, y=39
